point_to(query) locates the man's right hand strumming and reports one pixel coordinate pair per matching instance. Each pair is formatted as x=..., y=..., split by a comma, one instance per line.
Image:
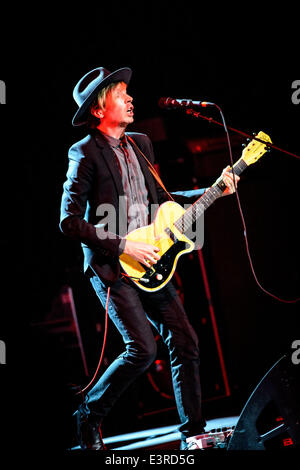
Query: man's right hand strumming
x=144, y=253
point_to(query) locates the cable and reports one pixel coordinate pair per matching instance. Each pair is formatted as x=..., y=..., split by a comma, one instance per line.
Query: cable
x=83, y=390
x=244, y=223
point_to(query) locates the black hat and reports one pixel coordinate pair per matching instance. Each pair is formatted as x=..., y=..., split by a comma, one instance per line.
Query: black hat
x=89, y=85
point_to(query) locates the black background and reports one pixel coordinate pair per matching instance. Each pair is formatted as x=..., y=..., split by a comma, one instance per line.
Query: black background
x=170, y=55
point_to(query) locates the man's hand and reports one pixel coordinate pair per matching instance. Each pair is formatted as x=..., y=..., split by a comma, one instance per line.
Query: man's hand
x=143, y=252
x=228, y=180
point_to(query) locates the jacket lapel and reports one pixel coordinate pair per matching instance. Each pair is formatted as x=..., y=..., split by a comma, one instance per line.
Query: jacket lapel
x=150, y=181
x=111, y=161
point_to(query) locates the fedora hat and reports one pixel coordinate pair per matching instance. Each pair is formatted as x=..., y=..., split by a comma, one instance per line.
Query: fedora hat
x=88, y=87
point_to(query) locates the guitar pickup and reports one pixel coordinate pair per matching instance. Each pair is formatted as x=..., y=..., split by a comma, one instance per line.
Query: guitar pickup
x=171, y=235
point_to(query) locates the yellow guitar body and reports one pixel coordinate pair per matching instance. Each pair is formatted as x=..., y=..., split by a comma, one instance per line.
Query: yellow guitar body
x=157, y=234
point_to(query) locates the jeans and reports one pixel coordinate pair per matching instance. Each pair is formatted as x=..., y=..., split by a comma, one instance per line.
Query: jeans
x=132, y=310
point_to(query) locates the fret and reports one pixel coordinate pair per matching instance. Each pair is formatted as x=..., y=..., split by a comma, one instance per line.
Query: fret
x=197, y=209
x=239, y=167
x=185, y=222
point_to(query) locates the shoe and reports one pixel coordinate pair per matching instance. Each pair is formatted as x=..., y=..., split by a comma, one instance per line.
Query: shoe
x=89, y=434
x=214, y=439
x=183, y=445
x=186, y=443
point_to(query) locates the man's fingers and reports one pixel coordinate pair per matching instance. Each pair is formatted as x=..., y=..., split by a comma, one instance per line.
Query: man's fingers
x=229, y=179
x=152, y=255
x=152, y=258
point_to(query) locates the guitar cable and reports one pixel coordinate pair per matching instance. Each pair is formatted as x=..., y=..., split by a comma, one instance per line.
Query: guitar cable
x=82, y=391
x=292, y=301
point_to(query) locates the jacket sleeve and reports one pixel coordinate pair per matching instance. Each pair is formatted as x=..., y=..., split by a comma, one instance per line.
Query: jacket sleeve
x=76, y=190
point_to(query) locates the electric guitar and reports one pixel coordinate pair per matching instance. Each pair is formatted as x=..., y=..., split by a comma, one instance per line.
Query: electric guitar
x=172, y=223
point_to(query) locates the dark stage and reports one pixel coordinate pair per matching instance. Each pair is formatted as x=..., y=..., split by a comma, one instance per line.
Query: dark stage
x=52, y=325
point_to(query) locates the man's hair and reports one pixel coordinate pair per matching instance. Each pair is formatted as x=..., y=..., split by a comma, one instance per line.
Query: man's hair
x=99, y=103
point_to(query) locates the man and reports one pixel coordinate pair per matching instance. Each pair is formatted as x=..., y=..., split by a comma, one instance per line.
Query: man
x=107, y=167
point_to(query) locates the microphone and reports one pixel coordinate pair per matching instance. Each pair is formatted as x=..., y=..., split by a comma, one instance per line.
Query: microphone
x=182, y=103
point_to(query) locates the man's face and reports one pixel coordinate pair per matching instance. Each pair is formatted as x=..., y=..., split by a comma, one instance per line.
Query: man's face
x=118, y=110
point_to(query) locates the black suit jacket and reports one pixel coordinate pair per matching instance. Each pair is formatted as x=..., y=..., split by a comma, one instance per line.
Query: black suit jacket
x=94, y=179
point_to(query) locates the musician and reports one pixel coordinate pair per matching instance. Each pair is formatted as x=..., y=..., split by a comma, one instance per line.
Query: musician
x=107, y=168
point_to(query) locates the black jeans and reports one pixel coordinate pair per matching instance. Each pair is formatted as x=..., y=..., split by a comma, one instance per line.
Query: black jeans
x=127, y=307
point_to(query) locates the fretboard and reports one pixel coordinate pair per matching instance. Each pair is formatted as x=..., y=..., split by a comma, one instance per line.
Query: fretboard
x=184, y=223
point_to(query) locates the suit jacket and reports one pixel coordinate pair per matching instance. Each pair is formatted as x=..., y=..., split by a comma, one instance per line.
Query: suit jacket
x=94, y=179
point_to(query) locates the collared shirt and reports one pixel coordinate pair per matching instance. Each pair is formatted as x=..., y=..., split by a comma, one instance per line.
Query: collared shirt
x=133, y=181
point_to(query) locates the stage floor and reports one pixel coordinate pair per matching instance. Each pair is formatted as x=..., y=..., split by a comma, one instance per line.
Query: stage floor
x=166, y=437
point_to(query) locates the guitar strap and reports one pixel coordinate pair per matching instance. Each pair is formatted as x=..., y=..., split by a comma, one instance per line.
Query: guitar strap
x=150, y=167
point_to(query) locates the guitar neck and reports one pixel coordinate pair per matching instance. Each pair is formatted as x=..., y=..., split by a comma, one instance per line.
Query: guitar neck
x=185, y=222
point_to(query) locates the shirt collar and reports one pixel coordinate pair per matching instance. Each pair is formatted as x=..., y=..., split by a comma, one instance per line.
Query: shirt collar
x=113, y=142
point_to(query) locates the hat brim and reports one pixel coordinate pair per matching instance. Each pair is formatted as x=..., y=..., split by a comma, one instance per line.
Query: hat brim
x=120, y=75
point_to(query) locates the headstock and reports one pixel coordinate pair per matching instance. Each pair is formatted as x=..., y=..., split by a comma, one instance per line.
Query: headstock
x=256, y=148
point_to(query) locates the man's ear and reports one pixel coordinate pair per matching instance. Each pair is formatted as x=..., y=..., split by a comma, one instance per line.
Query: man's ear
x=97, y=112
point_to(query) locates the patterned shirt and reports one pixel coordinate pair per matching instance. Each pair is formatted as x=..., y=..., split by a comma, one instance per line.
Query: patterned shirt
x=135, y=191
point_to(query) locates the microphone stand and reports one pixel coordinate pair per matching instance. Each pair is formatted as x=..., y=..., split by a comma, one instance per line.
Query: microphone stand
x=196, y=114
